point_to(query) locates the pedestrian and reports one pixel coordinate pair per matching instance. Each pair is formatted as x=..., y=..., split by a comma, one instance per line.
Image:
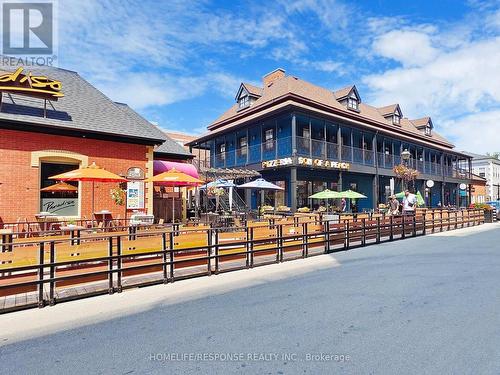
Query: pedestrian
x=393, y=205
x=409, y=203
x=343, y=205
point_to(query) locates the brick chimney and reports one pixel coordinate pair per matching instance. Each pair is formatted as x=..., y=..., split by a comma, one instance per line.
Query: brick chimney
x=273, y=76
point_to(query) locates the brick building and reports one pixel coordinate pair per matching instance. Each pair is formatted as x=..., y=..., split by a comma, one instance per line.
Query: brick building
x=61, y=124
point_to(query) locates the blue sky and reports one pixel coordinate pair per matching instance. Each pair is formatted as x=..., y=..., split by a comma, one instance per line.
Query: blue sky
x=180, y=63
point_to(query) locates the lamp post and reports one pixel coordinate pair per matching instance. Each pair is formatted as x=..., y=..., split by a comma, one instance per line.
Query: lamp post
x=405, y=156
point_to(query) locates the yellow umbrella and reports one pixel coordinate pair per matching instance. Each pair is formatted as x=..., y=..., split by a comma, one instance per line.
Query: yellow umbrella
x=60, y=186
x=174, y=178
x=92, y=173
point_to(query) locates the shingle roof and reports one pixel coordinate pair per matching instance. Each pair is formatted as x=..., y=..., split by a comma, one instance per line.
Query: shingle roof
x=83, y=108
x=421, y=121
x=253, y=90
x=313, y=93
x=343, y=92
x=171, y=147
x=479, y=156
x=387, y=110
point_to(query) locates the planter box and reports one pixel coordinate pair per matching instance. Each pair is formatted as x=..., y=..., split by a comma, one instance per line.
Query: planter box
x=488, y=216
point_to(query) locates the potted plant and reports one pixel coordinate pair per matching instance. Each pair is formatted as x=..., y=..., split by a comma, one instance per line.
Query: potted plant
x=406, y=174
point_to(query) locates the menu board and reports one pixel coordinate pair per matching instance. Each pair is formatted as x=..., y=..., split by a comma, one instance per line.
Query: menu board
x=135, y=195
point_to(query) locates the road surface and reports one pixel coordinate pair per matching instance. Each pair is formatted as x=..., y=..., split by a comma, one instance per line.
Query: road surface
x=429, y=305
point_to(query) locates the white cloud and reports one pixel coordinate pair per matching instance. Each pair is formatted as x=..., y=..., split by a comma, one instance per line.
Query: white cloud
x=451, y=73
x=477, y=132
x=453, y=83
x=143, y=90
x=409, y=47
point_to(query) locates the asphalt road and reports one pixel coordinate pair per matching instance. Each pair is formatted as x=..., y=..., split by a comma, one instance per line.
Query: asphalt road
x=429, y=305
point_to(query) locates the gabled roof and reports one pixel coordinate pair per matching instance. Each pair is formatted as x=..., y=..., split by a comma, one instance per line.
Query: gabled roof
x=390, y=110
x=83, y=108
x=346, y=91
x=290, y=90
x=422, y=122
x=251, y=89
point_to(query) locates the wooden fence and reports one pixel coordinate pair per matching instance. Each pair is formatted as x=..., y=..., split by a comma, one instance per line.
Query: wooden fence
x=42, y=271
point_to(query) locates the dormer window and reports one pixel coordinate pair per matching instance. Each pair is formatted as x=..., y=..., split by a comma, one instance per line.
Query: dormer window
x=396, y=119
x=352, y=103
x=428, y=130
x=244, y=101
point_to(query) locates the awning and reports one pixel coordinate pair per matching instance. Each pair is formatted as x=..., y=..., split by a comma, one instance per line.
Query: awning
x=160, y=166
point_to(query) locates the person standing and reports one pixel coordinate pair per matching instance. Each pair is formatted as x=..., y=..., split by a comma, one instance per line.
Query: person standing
x=409, y=203
x=393, y=205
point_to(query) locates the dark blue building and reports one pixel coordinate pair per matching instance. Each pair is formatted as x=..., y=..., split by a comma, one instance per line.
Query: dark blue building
x=307, y=138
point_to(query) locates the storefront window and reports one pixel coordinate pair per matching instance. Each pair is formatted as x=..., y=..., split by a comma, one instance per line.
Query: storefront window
x=62, y=203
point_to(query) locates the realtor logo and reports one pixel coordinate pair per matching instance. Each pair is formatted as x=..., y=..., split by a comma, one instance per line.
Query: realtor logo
x=28, y=30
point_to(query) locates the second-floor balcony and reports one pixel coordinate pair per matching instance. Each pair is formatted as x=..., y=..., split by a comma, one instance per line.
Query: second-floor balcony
x=314, y=148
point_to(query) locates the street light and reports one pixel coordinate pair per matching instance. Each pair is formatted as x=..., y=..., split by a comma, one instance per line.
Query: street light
x=405, y=155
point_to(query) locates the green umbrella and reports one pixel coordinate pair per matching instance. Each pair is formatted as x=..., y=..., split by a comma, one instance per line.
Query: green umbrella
x=420, y=199
x=326, y=194
x=351, y=194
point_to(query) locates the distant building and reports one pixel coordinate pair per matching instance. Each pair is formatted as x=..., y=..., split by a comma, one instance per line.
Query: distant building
x=487, y=167
x=479, y=192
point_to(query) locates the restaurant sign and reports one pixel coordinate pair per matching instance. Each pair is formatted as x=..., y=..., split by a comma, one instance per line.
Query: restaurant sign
x=321, y=163
x=277, y=163
x=60, y=206
x=28, y=84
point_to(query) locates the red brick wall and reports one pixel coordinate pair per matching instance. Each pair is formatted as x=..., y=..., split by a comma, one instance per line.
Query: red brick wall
x=19, y=181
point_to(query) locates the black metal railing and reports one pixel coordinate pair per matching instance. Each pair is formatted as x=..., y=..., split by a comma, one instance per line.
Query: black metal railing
x=118, y=259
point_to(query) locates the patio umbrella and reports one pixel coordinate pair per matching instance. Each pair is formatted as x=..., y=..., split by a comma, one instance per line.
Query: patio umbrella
x=60, y=186
x=420, y=199
x=221, y=183
x=92, y=173
x=260, y=184
x=218, y=183
x=351, y=194
x=326, y=194
x=174, y=178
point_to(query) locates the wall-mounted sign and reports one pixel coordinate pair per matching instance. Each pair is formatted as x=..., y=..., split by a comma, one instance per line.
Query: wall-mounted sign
x=60, y=206
x=277, y=163
x=135, y=195
x=321, y=163
x=27, y=84
x=135, y=173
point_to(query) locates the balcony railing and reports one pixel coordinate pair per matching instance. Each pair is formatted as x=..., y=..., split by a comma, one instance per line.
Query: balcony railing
x=315, y=148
